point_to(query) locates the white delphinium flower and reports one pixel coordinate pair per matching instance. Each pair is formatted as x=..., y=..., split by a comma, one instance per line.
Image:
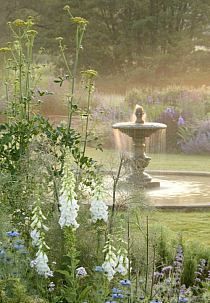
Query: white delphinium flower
x=109, y=265
x=37, y=233
x=41, y=264
x=122, y=257
x=109, y=270
x=123, y=265
x=68, y=182
x=68, y=203
x=68, y=212
x=99, y=211
x=38, y=219
x=35, y=236
x=115, y=262
x=38, y=228
x=51, y=287
x=111, y=260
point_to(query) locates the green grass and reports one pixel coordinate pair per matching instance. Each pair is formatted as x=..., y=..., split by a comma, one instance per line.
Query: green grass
x=180, y=162
x=193, y=226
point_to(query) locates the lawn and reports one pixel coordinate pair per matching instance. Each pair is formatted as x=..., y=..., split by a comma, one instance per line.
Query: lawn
x=193, y=226
x=180, y=162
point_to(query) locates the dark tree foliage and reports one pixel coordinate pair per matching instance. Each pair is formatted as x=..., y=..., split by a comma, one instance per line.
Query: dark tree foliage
x=121, y=33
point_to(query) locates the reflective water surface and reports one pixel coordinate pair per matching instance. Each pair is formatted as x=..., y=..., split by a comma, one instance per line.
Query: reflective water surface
x=174, y=191
x=181, y=191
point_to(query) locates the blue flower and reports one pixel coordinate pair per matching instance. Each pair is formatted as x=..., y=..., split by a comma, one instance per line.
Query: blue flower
x=13, y=234
x=155, y=301
x=99, y=269
x=170, y=112
x=183, y=300
x=2, y=253
x=110, y=302
x=125, y=282
x=117, y=296
x=116, y=290
x=19, y=246
x=181, y=121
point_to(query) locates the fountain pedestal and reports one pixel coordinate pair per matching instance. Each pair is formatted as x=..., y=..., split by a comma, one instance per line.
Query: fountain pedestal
x=138, y=131
x=138, y=162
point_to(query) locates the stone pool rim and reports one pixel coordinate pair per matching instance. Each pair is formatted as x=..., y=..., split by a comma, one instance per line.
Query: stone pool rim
x=180, y=173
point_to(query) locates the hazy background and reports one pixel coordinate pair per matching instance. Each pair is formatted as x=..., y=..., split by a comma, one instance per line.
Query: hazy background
x=129, y=42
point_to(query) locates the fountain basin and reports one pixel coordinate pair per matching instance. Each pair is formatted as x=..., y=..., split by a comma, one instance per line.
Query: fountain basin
x=184, y=191
x=138, y=130
x=179, y=190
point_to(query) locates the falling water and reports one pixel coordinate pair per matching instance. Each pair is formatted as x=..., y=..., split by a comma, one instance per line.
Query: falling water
x=123, y=143
x=156, y=143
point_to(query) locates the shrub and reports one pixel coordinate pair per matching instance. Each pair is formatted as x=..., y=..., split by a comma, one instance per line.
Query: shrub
x=195, y=139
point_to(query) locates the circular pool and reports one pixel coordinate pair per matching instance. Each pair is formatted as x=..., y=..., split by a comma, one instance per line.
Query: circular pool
x=181, y=190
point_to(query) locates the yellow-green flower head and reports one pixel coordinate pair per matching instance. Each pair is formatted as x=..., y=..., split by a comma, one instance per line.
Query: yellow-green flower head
x=29, y=21
x=89, y=73
x=66, y=8
x=5, y=49
x=32, y=32
x=19, y=23
x=59, y=38
x=79, y=21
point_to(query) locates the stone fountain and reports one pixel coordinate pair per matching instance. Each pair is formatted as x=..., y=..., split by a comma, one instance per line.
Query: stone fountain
x=139, y=131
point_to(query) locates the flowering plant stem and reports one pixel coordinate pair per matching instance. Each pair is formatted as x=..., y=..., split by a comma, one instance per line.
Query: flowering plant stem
x=79, y=36
x=147, y=254
x=71, y=252
x=115, y=183
x=88, y=115
x=153, y=270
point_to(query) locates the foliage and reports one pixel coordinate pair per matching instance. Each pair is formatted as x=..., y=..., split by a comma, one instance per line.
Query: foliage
x=195, y=139
x=146, y=41
x=179, y=109
x=46, y=177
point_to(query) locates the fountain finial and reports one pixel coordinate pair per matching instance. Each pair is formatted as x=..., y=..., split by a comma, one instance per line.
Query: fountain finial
x=139, y=113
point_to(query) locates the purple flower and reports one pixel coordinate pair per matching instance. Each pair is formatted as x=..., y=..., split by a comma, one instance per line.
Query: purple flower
x=149, y=99
x=81, y=272
x=181, y=121
x=158, y=274
x=168, y=110
x=13, y=234
x=125, y=282
x=117, y=296
x=167, y=269
x=183, y=300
